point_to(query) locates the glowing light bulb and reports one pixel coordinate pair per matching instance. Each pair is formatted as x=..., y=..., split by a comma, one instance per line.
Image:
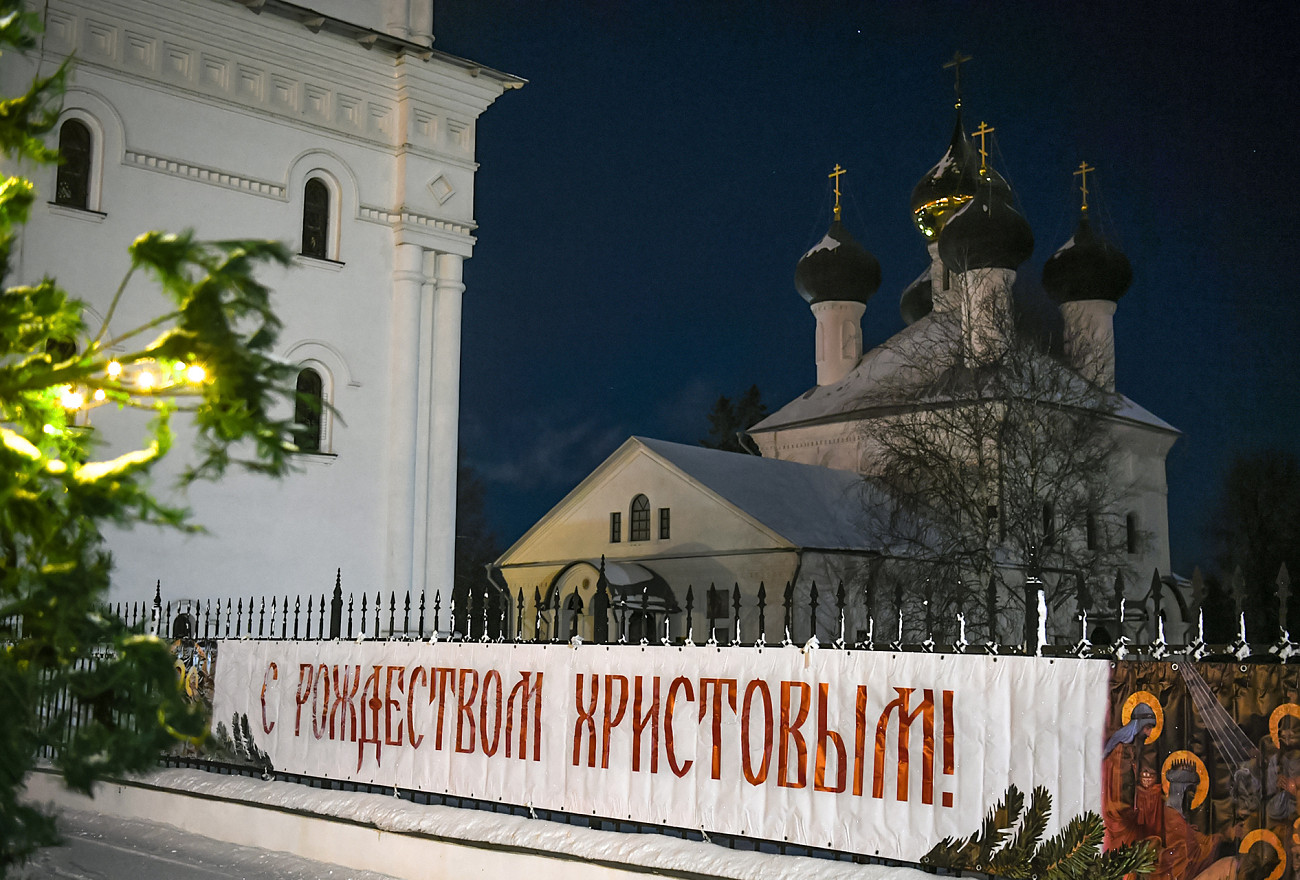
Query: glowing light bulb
x=50, y=429
x=196, y=374
x=99, y=395
x=70, y=398
x=145, y=380
x=114, y=369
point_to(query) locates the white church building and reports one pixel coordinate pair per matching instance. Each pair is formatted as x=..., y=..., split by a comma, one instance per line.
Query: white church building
x=336, y=127
x=665, y=519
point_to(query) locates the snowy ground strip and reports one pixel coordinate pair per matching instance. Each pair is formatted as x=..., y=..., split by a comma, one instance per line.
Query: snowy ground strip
x=394, y=815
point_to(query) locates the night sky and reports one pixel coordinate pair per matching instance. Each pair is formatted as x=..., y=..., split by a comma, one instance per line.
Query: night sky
x=642, y=203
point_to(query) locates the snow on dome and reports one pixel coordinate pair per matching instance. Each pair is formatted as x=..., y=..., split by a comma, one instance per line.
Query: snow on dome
x=838, y=269
x=1087, y=267
x=986, y=233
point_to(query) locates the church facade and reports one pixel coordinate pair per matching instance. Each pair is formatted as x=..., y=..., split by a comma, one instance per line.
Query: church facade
x=339, y=129
x=1092, y=546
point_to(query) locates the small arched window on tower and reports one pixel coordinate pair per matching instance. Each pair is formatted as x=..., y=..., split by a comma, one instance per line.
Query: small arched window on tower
x=1049, y=522
x=72, y=181
x=308, y=411
x=640, y=519
x=1090, y=530
x=315, y=219
x=1131, y=532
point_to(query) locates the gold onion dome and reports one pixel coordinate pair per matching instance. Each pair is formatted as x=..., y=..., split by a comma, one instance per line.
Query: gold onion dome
x=837, y=269
x=1087, y=267
x=951, y=183
x=986, y=233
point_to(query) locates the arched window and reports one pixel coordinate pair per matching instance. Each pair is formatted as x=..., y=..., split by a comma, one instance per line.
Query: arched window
x=1090, y=530
x=72, y=181
x=315, y=219
x=308, y=411
x=1049, y=522
x=1131, y=532
x=640, y=519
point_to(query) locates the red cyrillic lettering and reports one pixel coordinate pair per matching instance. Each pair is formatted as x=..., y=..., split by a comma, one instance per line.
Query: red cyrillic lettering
x=490, y=746
x=640, y=722
x=536, y=711
x=272, y=674
x=370, y=718
x=612, y=718
x=824, y=734
x=859, y=739
x=305, y=675
x=389, y=703
x=679, y=682
x=466, y=714
x=320, y=702
x=443, y=674
x=343, y=696
x=418, y=673
x=716, y=705
x=588, y=717
x=905, y=719
x=789, y=731
x=746, y=752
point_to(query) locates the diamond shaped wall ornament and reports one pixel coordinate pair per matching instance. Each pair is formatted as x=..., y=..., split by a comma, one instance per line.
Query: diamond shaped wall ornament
x=441, y=188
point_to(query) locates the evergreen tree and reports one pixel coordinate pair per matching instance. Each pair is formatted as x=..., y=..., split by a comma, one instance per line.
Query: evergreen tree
x=1257, y=529
x=727, y=420
x=208, y=355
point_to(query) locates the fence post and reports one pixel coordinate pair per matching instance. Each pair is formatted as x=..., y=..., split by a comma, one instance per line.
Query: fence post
x=336, y=606
x=157, y=608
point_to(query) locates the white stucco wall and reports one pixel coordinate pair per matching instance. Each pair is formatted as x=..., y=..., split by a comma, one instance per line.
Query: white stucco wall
x=208, y=116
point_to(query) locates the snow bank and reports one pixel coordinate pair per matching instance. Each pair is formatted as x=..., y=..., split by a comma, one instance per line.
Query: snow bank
x=652, y=851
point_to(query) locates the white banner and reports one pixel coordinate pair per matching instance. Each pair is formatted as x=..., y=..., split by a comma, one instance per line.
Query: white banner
x=868, y=752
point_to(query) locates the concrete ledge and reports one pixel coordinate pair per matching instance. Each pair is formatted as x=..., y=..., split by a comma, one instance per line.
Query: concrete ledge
x=383, y=834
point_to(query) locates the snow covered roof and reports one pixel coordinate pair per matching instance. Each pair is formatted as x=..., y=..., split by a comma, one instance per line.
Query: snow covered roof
x=812, y=507
x=887, y=376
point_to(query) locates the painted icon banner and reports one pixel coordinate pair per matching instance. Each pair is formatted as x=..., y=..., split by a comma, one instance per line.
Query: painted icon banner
x=870, y=752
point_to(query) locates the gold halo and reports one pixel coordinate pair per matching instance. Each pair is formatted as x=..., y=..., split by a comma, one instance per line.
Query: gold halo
x=1202, y=775
x=1270, y=838
x=1149, y=698
x=1295, y=832
x=1275, y=720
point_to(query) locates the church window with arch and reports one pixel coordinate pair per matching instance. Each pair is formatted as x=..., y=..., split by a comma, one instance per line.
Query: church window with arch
x=1131, y=532
x=315, y=219
x=639, y=520
x=308, y=411
x=72, y=180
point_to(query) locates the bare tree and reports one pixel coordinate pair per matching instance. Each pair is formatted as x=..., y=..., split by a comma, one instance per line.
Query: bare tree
x=1001, y=463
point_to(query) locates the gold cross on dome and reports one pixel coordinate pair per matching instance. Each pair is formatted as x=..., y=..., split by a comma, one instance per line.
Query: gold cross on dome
x=835, y=175
x=1082, y=173
x=980, y=133
x=957, y=61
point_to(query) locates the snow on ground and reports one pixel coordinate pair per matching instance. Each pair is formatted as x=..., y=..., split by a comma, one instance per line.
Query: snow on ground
x=652, y=851
x=100, y=847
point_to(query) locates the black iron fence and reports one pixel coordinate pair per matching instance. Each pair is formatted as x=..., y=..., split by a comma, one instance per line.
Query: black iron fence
x=826, y=617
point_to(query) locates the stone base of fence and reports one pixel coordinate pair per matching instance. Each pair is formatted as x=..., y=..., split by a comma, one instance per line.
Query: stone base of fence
x=381, y=833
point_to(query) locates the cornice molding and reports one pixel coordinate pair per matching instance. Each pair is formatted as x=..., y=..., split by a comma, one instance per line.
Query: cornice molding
x=217, y=55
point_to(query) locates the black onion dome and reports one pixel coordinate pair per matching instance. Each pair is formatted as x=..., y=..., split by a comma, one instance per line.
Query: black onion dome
x=917, y=300
x=1087, y=267
x=837, y=269
x=947, y=186
x=986, y=234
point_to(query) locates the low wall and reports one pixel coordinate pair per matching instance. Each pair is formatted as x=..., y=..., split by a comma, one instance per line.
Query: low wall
x=405, y=840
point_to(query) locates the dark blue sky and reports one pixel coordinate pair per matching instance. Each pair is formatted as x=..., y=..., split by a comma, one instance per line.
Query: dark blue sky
x=642, y=203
